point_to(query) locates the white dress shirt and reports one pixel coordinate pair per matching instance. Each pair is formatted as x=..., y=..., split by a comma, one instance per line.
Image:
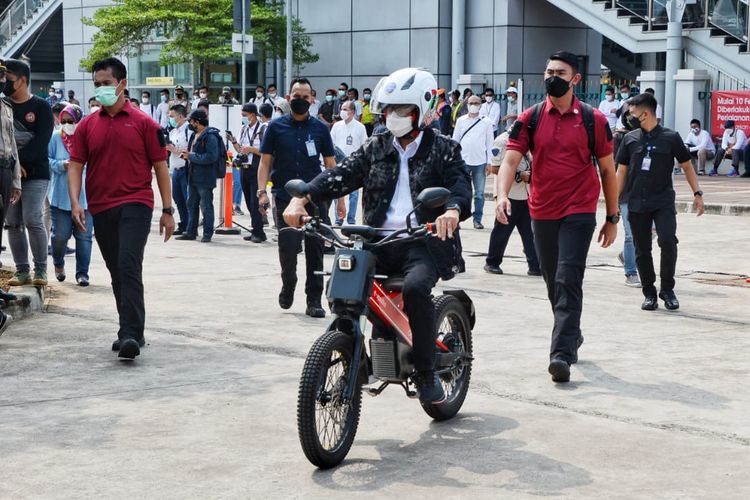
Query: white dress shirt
x=348, y=137
x=701, y=141
x=162, y=114
x=149, y=109
x=402, y=204
x=476, y=140
x=609, y=109
x=734, y=136
x=659, y=112
x=492, y=112
x=511, y=110
x=180, y=137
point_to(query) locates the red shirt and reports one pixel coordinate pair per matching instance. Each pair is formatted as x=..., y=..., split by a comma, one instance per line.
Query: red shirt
x=119, y=153
x=564, y=180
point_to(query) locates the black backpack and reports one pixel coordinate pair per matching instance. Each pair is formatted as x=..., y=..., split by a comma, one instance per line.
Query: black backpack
x=589, y=122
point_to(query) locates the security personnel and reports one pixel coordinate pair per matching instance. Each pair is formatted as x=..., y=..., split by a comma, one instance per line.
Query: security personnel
x=10, y=167
x=645, y=162
x=291, y=149
x=564, y=196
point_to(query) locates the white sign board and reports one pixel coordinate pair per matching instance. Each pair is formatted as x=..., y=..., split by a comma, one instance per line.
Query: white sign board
x=225, y=118
x=237, y=43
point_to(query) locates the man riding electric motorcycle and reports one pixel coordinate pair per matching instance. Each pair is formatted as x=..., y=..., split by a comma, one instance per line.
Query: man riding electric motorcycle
x=392, y=168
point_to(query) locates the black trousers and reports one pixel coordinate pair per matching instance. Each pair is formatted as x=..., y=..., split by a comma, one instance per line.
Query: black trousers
x=249, y=182
x=665, y=220
x=562, y=246
x=290, y=244
x=6, y=183
x=121, y=234
x=520, y=219
x=415, y=263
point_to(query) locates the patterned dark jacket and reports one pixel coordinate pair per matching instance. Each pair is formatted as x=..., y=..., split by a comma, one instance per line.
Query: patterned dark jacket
x=375, y=168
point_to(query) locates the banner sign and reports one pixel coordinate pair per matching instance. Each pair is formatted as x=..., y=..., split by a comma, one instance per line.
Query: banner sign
x=165, y=81
x=729, y=105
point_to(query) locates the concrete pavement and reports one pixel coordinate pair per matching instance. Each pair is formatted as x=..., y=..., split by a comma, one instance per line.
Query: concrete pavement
x=657, y=406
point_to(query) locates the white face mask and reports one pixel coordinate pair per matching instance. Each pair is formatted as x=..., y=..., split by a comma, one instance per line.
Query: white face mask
x=51, y=93
x=145, y=100
x=474, y=108
x=511, y=99
x=344, y=114
x=259, y=95
x=69, y=128
x=398, y=125
x=488, y=99
x=624, y=95
x=696, y=130
x=94, y=109
x=202, y=95
x=272, y=95
x=277, y=114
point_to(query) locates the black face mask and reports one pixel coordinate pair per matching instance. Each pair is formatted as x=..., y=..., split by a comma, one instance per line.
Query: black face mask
x=633, y=122
x=556, y=86
x=299, y=106
x=191, y=127
x=8, y=89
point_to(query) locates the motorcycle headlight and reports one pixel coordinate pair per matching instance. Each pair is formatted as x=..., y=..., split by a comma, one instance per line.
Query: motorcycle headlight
x=346, y=262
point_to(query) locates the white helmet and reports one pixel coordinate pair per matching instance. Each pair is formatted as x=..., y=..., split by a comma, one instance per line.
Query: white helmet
x=410, y=86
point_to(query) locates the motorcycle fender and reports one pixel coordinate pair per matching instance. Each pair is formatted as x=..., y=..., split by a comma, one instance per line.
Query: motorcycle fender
x=466, y=302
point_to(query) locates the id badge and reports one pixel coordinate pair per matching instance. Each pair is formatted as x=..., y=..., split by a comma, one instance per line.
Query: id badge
x=311, y=150
x=646, y=165
x=349, y=140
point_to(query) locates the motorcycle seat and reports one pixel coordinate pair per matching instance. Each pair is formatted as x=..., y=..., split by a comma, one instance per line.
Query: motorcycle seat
x=393, y=284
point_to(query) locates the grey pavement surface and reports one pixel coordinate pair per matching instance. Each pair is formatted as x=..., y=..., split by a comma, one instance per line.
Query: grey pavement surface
x=657, y=407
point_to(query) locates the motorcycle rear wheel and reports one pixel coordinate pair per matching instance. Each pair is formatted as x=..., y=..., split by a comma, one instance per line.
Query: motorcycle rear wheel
x=454, y=330
x=327, y=425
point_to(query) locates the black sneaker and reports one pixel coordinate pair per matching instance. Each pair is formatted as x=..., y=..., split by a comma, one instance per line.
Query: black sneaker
x=206, y=239
x=129, y=348
x=650, y=304
x=315, y=311
x=116, y=344
x=478, y=225
x=186, y=237
x=559, y=369
x=670, y=300
x=286, y=298
x=534, y=272
x=429, y=388
x=493, y=269
x=575, y=357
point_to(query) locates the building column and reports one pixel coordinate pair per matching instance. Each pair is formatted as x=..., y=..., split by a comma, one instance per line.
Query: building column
x=675, y=9
x=688, y=83
x=655, y=80
x=458, y=33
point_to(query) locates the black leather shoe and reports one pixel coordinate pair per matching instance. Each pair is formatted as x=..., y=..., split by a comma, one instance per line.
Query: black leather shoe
x=493, y=269
x=478, y=225
x=559, y=369
x=185, y=237
x=286, y=298
x=315, y=311
x=575, y=357
x=116, y=344
x=534, y=272
x=178, y=232
x=650, y=304
x=670, y=300
x=129, y=348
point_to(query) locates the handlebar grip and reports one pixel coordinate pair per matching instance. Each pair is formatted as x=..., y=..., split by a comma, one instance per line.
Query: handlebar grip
x=304, y=219
x=431, y=228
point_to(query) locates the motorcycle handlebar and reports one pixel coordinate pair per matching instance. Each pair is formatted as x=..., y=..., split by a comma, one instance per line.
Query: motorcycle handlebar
x=314, y=225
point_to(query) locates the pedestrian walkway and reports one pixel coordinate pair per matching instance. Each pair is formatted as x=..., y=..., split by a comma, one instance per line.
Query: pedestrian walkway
x=722, y=195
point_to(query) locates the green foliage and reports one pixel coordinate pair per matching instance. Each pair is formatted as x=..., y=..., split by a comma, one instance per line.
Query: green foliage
x=197, y=31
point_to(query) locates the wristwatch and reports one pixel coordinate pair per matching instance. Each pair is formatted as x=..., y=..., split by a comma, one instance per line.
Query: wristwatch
x=614, y=219
x=698, y=193
x=168, y=210
x=260, y=192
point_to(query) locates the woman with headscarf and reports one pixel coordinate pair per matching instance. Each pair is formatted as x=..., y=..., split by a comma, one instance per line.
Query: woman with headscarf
x=62, y=222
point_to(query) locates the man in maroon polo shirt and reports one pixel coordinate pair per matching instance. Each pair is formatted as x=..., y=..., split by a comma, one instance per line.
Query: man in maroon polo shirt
x=563, y=198
x=120, y=146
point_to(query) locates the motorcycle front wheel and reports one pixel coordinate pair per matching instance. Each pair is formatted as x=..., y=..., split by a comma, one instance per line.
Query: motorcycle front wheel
x=326, y=422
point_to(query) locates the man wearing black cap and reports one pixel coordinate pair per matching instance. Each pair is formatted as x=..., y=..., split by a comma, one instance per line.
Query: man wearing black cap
x=563, y=135
x=226, y=96
x=248, y=156
x=202, y=155
x=733, y=143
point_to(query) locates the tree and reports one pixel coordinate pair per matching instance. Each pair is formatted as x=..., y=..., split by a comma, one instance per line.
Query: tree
x=198, y=32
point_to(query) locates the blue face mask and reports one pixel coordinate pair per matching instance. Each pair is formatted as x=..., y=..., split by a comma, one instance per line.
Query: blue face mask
x=163, y=98
x=329, y=98
x=107, y=95
x=245, y=120
x=173, y=123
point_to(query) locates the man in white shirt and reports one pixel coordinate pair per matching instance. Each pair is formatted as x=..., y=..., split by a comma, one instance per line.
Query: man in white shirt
x=511, y=112
x=349, y=135
x=147, y=106
x=179, y=138
x=609, y=107
x=701, y=146
x=248, y=155
x=474, y=134
x=733, y=143
x=490, y=109
x=659, y=109
x=162, y=109
x=315, y=105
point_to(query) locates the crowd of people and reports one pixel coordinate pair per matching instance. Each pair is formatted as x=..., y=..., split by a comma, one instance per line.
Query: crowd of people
x=374, y=152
